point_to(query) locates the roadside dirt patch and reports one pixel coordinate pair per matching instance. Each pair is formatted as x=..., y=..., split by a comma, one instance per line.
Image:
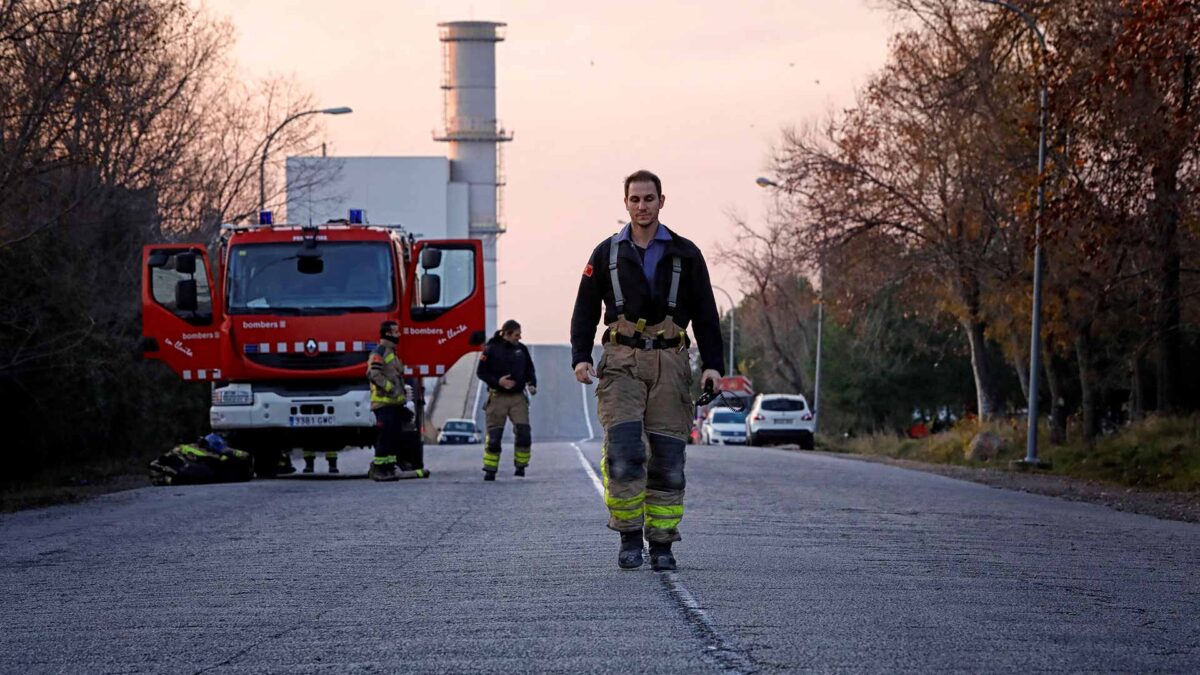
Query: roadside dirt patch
x=19, y=498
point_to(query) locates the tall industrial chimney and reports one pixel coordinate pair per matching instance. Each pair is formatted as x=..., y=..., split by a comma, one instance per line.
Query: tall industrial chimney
x=474, y=134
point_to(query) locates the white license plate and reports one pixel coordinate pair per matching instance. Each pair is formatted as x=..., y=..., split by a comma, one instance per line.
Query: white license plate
x=783, y=420
x=311, y=420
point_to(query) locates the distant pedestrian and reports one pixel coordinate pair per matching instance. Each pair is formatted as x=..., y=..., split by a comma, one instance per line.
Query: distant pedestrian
x=506, y=367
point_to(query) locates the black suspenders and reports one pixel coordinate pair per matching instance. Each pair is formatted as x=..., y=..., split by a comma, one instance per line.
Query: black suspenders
x=619, y=297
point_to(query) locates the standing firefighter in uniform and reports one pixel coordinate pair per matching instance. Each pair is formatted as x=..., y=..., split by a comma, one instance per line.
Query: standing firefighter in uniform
x=385, y=372
x=653, y=282
x=507, y=368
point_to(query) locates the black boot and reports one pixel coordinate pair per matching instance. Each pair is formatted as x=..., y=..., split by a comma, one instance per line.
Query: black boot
x=489, y=475
x=310, y=464
x=630, y=555
x=333, y=465
x=661, y=559
x=383, y=472
x=520, y=471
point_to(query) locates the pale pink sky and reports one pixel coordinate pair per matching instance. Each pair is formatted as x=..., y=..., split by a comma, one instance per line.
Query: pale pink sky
x=695, y=91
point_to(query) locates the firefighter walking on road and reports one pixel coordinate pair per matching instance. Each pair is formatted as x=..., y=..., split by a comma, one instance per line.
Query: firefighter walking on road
x=506, y=367
x=652, y=282
x=385, y=372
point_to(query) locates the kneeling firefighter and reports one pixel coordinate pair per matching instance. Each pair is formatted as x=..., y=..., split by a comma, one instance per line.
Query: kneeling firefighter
x=507, y=368
x=385, y=372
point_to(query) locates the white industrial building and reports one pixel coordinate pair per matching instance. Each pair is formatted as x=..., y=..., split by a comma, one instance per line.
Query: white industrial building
x=415, y=192
x=458, y=196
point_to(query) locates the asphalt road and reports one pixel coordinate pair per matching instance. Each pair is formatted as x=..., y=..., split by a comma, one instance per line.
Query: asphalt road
x=790, y=561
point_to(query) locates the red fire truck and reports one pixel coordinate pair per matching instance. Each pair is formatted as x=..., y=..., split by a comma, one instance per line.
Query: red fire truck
x=283, y=322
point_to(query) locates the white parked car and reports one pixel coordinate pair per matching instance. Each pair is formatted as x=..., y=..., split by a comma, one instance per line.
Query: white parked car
x=457, y=431
x=780, y=418
x=723, y=426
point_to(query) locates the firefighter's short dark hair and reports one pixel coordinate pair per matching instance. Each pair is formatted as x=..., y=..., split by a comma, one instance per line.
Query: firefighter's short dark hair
x=510, y=326
x=640, y=176
x=385, y=327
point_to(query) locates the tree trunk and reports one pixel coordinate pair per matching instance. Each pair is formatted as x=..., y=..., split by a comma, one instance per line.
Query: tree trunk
x=1057, y=372
x=1165, y=212
x=984, y=370
x=1088, y=384
x=1137, y=386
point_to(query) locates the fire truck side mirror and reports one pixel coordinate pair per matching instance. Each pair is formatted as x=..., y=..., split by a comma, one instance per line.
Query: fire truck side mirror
x=431, y=287
x=185, y=295
x=431, y=258
x=185, y=263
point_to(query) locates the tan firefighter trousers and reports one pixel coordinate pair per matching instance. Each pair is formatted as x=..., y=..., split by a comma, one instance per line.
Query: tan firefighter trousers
x=644, y=400
x=500, y=407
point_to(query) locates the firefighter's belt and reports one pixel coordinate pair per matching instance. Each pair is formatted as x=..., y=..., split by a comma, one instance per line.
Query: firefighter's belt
x=647, y=343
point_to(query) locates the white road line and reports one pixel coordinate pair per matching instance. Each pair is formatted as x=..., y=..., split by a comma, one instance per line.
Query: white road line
x=718, y=648
x=588, y=468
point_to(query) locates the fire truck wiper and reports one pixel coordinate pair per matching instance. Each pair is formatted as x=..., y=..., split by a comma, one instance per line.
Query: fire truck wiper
x=290, y=311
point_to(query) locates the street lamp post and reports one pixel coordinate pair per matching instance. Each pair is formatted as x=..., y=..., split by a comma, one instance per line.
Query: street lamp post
x=732, y=324
x=1035, y=337
x=817, y=376
x=262, y=164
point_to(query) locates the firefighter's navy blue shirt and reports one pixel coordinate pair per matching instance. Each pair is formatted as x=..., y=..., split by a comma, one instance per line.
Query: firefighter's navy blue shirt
x=651, y=255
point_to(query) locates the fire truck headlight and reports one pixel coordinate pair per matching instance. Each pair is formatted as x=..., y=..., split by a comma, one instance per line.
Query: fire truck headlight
x=233, y=394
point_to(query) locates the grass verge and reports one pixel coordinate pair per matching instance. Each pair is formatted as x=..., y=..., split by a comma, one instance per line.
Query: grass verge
x=1158, y=453
x=75, y=482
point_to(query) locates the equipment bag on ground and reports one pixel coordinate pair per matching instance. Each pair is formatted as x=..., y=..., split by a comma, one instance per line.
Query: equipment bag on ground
x=207, y=461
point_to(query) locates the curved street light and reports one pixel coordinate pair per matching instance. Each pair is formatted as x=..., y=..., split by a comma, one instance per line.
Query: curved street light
x=262, y=164
x=732, y=325
x=764, y=182
x=1035, y=330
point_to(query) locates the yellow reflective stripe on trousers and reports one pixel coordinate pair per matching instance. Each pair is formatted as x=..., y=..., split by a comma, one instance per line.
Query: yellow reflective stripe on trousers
x=663, y=516
x=663, y=524
x=625, y=503
x=387, y=459
x=490, y=460
x=521, y=456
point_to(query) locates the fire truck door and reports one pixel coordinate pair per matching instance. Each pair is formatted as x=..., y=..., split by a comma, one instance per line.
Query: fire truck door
x=179, y=326
x=444, y=311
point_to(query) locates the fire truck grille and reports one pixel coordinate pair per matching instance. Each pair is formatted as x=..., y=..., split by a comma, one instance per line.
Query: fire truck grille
x=325, y=361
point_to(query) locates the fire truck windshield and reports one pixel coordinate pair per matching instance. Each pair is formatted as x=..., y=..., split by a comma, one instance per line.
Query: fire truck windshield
x=353, y=277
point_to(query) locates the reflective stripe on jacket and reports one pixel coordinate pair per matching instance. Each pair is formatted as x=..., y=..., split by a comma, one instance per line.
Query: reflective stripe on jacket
x=385, y=372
